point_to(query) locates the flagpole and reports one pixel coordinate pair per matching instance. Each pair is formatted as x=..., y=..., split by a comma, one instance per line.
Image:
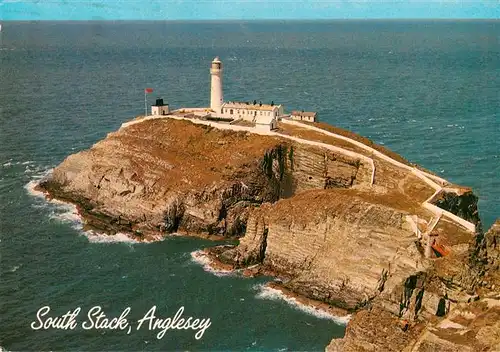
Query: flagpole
x=145, y=104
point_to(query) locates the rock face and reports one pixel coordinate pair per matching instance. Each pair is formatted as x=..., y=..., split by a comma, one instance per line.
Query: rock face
x=468, y=327
x=467, y=319
x=338, y=246
x=303, y=213
x=172, y=176
x=491, y=247
x=464, y=204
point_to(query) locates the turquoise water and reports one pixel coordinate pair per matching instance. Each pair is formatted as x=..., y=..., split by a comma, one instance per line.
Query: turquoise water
x=427, y=90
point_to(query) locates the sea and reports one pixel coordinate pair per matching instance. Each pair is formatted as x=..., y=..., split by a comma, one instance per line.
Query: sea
x=429, y=90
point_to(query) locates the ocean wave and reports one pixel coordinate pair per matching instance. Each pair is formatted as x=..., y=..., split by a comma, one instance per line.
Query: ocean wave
x=201, y=258
x=14, y=269
x=30, y=187
x=266, y=292
x=119, y=237
x=59, y=211
x=10, y=162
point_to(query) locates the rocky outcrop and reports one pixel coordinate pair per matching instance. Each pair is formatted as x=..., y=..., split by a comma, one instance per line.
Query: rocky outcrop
x=462, y=203
x=337, y=246
x=168, y=175
x=489, y=257
x=467, y=315
x=374, y=329
x=492, y=244
x=468, y=327
x=306, y=214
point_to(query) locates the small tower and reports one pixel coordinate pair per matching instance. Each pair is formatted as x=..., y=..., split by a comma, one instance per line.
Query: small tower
x=216, y=85
x=159, y=108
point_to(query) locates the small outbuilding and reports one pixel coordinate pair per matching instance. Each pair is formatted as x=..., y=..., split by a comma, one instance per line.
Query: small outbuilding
x=159, y=108
x=309, y=116
x=266, y=122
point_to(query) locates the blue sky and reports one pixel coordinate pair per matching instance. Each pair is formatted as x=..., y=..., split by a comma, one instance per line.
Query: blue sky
x=244, y=9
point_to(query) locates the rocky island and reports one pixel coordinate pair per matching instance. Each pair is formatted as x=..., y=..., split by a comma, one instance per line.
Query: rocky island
x=349, y=229
x=340, y=221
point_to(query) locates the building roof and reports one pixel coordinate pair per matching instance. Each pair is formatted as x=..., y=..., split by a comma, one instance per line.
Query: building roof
x=263, y=119
x=250, y=106
x=304, y=113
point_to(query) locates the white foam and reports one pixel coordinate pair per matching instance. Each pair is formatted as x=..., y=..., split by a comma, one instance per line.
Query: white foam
x=14, y=269
x=68, y=213
x=30, y=186
x=201, y=258
x=96, y=237
x=60, y=211
x=13, y=163
x=266, y=292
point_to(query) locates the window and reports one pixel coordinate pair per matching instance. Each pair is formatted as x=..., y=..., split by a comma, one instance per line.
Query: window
x=231, y=111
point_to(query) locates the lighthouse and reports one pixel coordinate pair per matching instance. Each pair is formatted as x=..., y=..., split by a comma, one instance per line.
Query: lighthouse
x=216, y=86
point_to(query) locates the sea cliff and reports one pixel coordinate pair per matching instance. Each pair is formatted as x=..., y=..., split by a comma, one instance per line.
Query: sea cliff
x=337, y=220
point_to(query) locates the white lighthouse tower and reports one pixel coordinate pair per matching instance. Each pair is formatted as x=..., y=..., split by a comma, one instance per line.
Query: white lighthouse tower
x=216, y=86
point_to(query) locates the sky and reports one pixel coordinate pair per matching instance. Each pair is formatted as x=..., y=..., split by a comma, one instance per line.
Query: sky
x=245, y=9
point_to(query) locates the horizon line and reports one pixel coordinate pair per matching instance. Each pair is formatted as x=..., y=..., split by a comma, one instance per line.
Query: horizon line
x=264, y=19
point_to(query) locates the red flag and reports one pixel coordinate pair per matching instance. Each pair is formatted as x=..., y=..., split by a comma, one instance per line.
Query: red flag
x=148, y=90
